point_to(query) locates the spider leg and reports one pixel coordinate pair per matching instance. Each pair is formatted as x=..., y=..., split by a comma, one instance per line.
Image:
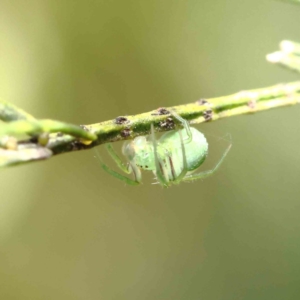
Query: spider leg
x=185, y=124
x=205, y=174
x=126, y=169
x=184, y=167
x=161, y=171
x=113, y=154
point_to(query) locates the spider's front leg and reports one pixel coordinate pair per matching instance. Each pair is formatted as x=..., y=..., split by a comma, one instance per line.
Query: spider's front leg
x=185, y=125
x=126, y=169
x=161, y=171
x=184, y=161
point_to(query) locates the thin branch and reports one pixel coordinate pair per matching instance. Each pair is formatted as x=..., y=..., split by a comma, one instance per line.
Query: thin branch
x=203, y=110
x=67, y=137
x=35, y=127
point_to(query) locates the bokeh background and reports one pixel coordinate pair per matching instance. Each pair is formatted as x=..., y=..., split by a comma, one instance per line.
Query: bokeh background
x=70, y=231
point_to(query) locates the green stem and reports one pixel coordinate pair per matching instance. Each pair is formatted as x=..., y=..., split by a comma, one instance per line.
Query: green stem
x=201, y=111
x=36, y=127
x=65, y=137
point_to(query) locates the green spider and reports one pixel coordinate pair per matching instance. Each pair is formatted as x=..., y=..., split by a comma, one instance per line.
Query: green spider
x=173, y=158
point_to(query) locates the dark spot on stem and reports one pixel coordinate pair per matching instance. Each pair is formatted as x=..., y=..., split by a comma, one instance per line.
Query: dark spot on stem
x=161, y=111
x=121, y=120
x=167, y=124
x=125, y=132
x=207, y=114
x=59, y=134
x=76, y=145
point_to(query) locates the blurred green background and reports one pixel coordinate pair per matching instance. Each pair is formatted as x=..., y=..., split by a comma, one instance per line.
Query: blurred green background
x=68, y=230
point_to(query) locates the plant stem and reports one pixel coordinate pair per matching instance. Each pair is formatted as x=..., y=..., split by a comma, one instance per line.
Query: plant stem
x=67, y=137
x=128, y=127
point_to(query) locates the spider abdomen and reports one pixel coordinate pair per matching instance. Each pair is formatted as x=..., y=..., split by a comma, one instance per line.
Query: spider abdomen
x=195, y=148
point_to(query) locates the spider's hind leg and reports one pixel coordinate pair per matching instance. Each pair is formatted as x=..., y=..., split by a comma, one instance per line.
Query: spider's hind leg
x=126, y=169
x=208, y=173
